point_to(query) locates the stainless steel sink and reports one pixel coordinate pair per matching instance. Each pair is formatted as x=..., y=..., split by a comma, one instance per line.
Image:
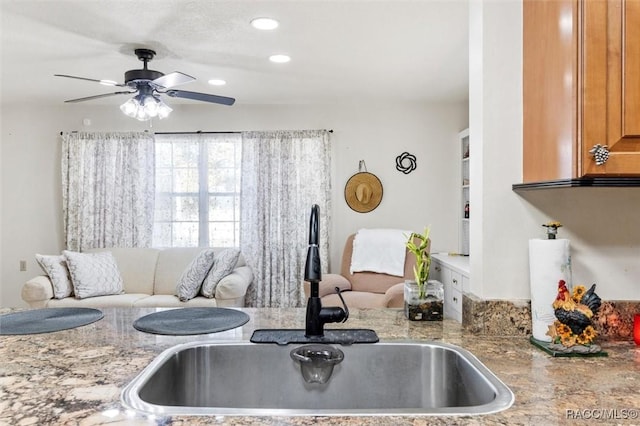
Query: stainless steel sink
x=376, y=379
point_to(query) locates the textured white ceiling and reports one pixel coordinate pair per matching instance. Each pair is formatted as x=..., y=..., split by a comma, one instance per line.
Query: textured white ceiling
x=342, y=50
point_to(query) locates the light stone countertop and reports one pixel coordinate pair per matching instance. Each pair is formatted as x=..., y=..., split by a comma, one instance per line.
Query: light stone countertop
x=74, y=377
x=458, y=263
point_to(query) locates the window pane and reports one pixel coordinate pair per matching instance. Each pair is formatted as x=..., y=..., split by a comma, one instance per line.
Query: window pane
x=185, y=180
x=222, y=180
x=221, y=207
x=185, y=154
x=186, y=208
x=222, y=234
x=221, y=154
x=185, y=234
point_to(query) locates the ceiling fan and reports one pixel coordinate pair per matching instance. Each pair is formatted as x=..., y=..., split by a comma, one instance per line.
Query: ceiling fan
x=147, y=85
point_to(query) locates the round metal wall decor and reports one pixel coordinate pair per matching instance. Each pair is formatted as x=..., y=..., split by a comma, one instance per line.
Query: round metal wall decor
x=363, y=192
x=406, y=163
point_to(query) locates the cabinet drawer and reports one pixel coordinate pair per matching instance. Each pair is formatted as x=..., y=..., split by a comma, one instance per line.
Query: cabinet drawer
x=456, y=280
x=454, y=305
x=455, y=300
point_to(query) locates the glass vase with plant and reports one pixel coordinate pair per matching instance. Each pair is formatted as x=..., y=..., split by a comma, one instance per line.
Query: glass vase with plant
x=418, y=245
x=423, y=299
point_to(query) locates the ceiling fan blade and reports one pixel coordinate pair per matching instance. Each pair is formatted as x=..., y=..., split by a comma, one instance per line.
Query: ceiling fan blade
x=106, y=95
x=173, y=79
x=104, y=82
x=204, y=97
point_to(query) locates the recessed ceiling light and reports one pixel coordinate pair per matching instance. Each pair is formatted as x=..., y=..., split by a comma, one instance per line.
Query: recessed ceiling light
x=217, y=82
x=279, y=59
x=264, y=23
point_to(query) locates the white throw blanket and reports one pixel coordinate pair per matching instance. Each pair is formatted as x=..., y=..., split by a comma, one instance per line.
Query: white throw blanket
x=379, y=250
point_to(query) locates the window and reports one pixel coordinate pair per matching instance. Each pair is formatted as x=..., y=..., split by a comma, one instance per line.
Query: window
x=197, y=190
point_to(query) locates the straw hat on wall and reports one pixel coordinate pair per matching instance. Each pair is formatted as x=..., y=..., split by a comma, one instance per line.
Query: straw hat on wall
x=363, y=192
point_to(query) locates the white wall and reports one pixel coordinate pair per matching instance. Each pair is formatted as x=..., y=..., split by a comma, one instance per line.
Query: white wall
x=601, y=223
x=1, y=198
x=31, y=220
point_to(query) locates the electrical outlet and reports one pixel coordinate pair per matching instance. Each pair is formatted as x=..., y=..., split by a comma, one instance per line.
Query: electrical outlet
x=23, y=265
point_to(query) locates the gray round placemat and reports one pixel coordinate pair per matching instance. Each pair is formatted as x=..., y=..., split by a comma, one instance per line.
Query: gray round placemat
x=189, y=321
x=47, y=320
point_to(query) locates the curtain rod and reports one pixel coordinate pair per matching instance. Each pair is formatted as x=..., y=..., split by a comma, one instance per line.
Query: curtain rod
x=198, y=132
x=187, y=133
x=201, y=132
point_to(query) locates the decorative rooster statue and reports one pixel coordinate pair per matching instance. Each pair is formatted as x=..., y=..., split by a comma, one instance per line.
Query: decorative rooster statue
x=574, y=313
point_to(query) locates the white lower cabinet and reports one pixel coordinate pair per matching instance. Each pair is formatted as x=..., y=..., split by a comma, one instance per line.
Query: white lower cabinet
x=450, y=271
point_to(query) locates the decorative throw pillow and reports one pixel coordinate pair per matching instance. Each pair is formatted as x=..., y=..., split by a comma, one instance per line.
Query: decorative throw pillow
x=93, y=274
x=223, y=265
x=56, y=268
x=191, y=279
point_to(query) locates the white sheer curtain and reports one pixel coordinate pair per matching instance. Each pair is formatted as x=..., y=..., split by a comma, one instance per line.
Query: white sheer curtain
x=107, y=189
x=283, y=174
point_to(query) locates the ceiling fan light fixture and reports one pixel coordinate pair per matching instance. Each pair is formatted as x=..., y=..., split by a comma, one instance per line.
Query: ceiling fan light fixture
x=163, y=110
x=141, y=115
x=130, y=107
x=147, y=85
x=150, y=106
x=264, y=23
x=145, y=107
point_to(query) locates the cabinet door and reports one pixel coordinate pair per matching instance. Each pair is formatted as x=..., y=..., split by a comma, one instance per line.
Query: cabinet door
x=549, y=90
x=610, y=63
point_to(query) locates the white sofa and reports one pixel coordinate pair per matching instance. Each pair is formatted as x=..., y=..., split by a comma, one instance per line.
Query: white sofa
x=149, y=276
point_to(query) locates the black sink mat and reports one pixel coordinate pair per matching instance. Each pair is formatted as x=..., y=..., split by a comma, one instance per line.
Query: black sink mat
x=47, y=320
x=341, y=337
x=191, y=321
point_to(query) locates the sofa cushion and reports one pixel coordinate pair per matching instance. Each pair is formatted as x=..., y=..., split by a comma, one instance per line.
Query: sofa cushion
x=111, y=301
x=223, y=264
x=171, y=263
x=137, y=267
x=93, y=274
x=190, y=281
x=172, y=301
x=55, y=267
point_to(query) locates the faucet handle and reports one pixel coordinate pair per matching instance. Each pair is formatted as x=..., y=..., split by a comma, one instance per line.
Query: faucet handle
x=346, y=308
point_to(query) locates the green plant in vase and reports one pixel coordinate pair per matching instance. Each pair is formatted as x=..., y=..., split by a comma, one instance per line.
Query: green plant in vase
x=423, y=299
x=423, y=259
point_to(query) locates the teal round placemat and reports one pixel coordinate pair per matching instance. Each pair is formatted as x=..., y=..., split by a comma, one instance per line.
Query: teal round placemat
x=189, y=321
x=47, y=320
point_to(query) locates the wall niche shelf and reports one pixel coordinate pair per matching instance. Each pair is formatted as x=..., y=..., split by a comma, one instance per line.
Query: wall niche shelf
x=465, y=187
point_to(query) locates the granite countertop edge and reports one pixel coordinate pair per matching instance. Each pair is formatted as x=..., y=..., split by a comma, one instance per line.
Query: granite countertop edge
x=76, y=376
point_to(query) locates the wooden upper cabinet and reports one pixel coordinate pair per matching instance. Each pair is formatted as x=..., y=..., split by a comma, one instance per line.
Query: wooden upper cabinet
x=581, y=87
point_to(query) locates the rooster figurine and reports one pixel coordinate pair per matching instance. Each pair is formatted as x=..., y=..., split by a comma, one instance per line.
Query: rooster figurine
x=574, y=313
